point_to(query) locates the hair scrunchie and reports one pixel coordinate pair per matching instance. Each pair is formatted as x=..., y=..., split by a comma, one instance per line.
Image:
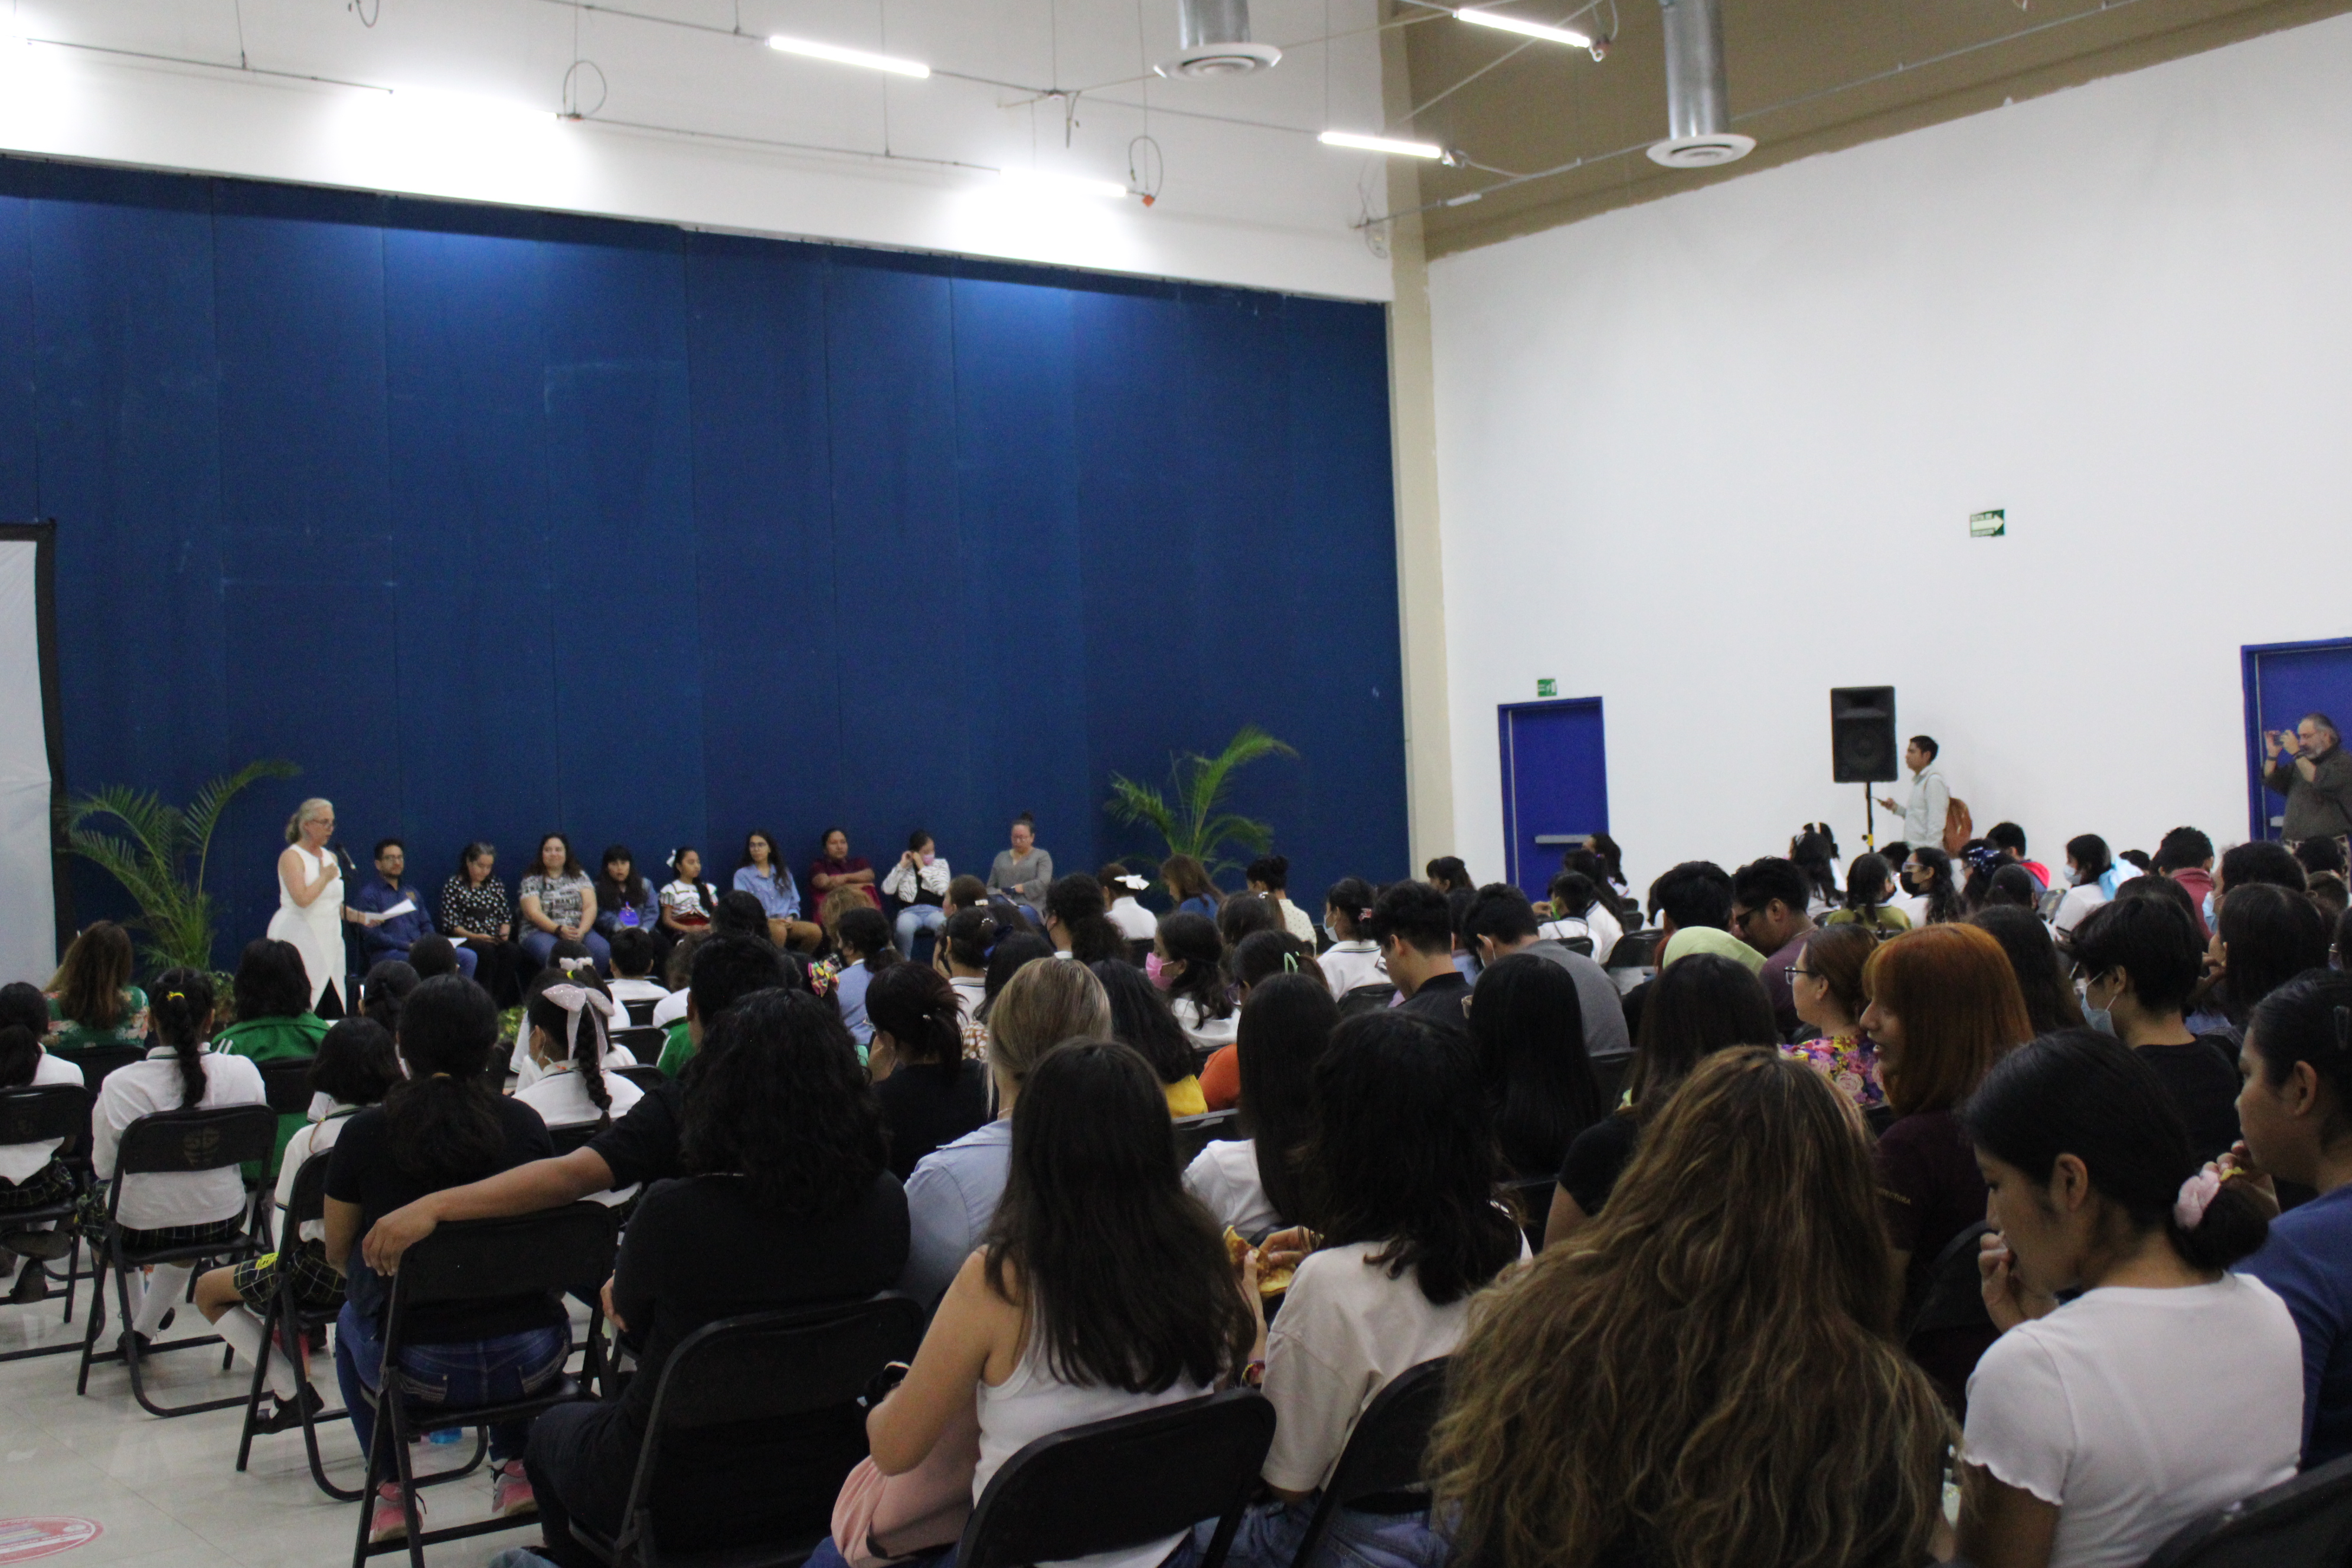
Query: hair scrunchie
x=2196, y=1197
x=576, y=1000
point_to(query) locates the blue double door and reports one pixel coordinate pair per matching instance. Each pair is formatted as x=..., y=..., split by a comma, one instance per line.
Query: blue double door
x=1555, y=785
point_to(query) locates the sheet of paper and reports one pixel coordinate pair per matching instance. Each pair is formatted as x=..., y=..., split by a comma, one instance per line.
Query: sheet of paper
x=405, y=907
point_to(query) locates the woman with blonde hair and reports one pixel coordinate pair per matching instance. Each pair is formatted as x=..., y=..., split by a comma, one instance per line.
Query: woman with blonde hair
x=1706, y=1373
x=1944, y=1007
x=310, y=912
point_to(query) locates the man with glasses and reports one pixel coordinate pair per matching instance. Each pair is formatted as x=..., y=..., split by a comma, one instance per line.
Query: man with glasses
x=2308, y=766
x=386, y=936
x=1768, y=913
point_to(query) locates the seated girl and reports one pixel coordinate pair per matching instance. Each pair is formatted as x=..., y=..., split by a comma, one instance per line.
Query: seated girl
x=1825, y=983
x=274, y=1021
x=688, y=901
x=355, y=1067
x=1403, y=1187
x=930, y=1091
x=1101, y=1290
x=1078, y=922
x=1260, y=956
x=788, y=1202
x=1252, y=1183
x=1706, y=1373
x=91, y=999
x=1139, y=1017
x=568, y=1021
x=1186, y=960
x=442, y=1126
x=2165, y=1387
x=2297, y=1111
x=162, y=1209
x=863, y=934
x=1526, y=1021
x=31, y=1176
x=1353, y=960
x=566, y=960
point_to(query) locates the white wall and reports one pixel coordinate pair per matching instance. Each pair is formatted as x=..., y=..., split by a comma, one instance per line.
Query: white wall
x=1249, y=198
x=1709, y=456
x=28, y=930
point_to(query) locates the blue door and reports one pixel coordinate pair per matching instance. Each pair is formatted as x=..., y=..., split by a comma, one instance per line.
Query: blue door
x=1555, y=785
x=2283, y=682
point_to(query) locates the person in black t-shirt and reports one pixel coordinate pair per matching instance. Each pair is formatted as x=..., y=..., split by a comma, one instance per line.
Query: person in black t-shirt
x=444, y=1126
x=643, y=1146
x=1413, y=924
x=929, y=1094
x=786, y=1201
x=2138, y=959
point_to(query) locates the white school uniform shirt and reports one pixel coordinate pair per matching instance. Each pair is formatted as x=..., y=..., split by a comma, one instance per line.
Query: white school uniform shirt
x=2133, y=1411
x=627, y=988
x=527, y=1071
x=1348, y=964
x=157, y=1201
x=1201, y=1029
x=1223, y=1176
x=326, y=1126
x=670, y=1009
x=2075, y=905
x=560, y=1098
x=19, y=1161
x=1134, y=921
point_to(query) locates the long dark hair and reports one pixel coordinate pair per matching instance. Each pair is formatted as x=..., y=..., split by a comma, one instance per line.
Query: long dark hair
x=2086, y=1094
x=272, y=980
x=2093, y=859
x=615, y=896
x=1193, y=939
x=1187, y=878
x=1403, y=1154
x=1285, y=1027
x=1014, y=950
x=1528, y=1022
x=1814, y=849
x=90, y=982
x=2309, y=1019
x=1943, y=895
x=971, y=933
x=1353, y=898
x=179, y=1011
x=1126, y=1280
x=444, y=1117
x=1140, y=1018
x=2050, y=1002
x=587, y=1046
x=385, y=991
x=782, y=1101
x=1077, y=901
x=1699, y=1005
x=1613, y=858
x=916, y=1006
x=775, y=856
x=2270, y=934
x=20, y=1055
x=539, y=857
x=702, y=888
x=1867, y=878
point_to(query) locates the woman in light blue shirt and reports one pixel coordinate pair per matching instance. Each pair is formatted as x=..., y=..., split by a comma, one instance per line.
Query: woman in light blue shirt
x=766, y=878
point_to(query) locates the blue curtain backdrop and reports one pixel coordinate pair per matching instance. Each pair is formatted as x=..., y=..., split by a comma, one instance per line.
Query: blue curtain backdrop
x=498, y=523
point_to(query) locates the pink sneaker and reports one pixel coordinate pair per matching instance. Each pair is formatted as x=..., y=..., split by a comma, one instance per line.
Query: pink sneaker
x=510, y=1492
x=389, y=1522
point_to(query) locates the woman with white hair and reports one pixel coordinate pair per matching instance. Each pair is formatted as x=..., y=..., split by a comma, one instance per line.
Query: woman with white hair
x=310, y=912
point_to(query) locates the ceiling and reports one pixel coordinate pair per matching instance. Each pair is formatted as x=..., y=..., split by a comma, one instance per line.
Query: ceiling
x=1806, y=76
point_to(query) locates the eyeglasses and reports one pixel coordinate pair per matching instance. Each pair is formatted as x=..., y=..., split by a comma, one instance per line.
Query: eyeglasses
x=1794, y=972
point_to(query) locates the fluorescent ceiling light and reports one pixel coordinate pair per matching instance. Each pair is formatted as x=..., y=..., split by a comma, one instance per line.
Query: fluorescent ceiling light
x=842, y=57
x=1526, y=29
x=1034, y=182
x=1381, y=144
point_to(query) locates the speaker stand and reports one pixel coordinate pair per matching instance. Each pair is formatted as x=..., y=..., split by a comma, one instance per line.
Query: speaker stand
x=1869, y=820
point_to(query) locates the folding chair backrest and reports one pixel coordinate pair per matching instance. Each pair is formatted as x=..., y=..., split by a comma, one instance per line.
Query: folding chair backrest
x=645, y=1044
x=1367, y=998
x=645, y=1075
x=566, y=1249
x=307, y=1201
x=1955, y=1298
x=197, y=1139
x=2302, y=1523
x=287, y=1082
x=578, y=1135
x=771, y=1365
x=640, y=1010
x=97, y=1061
x=1121, y=1482
x=30, y=1115
x=1194, y=1133
x=1632, y=951
x=1384, y=1453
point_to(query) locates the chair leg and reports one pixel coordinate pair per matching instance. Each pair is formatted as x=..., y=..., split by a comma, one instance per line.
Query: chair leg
x=393, y=1406
x=253, y=1396
x=102, y=1262
x=371, y=1463
x=317, y=1465
x=73, y=1277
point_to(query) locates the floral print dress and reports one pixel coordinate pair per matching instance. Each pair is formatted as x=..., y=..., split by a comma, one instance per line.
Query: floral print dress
x=1849, y=1061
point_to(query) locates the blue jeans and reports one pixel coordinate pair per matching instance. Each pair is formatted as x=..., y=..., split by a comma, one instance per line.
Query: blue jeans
x=477, y=1372
x=1271, y=1533
x=914, y=919
x=538, y=944
x=1186, y=1553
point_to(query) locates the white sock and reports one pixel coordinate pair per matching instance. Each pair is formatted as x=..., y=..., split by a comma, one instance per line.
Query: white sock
x=242, y=1328
x=166, y=1283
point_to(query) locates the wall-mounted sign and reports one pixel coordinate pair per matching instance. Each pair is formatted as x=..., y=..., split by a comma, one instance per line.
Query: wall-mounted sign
x=1989, y=524
x=1547, y=687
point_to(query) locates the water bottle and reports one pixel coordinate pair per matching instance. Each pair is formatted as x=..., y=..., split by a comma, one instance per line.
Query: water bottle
x=447, y=1434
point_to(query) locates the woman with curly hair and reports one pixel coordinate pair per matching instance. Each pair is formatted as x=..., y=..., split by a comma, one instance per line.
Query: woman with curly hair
x=1707, y=1373
x=789, y=1201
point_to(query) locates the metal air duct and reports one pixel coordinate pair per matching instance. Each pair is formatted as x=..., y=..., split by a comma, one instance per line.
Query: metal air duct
x=1213, y=39
x=1698, y=106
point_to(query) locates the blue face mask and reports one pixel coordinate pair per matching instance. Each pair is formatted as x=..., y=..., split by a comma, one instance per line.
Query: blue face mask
x=2094, y=1018
x=2209, y=912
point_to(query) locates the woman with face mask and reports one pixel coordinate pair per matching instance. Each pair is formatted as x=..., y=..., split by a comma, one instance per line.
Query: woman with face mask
x=2135, y=963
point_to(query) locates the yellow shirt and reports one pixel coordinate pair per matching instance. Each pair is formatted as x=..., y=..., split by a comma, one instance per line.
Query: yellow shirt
x=1185, y=1098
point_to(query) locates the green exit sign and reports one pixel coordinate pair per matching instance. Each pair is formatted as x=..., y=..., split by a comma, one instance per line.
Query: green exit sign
x=1547, y=687
x=1990, y=524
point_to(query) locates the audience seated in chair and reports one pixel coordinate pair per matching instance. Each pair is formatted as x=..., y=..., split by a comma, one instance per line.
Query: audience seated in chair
x=786, y=1200
x=1527, y=1022
x=2139, y=961
x=1141, y=1019
x=1353, y=959
x=1262, y=956
x=863, y=935
x=31, y=1175
x=91, y=1001
x=567, y=1026
x=1186, y=962
x=1825, y=983
x=1255, y=1183
x=930, y=1091
x=634, y=953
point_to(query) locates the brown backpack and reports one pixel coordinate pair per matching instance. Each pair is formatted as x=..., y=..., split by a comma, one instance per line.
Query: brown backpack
x=1958, y=826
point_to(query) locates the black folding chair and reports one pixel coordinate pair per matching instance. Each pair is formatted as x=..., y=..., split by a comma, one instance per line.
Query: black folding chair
x=36, y=1116
x=1124, y=1482
x=287, y=1314
x=577, y=1135
x=1634, y=950
x=2302, y=1523
x=1194, y=1133
x=762, y=1366
x=171, y=1142
x=645, y=1075
x=1380, y=1470
x=97, y=1061
x=1955, y=1298
x=1373, y=997
x=566, y=1252
x=287, y=1082
x=640, y=1010
x=645, y=1044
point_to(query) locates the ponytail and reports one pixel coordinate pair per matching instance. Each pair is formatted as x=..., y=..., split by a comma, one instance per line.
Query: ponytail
x=918, y=1009
x=2232, y=1225
x=182, y=1011
x=971, y=935
x=444, y=1117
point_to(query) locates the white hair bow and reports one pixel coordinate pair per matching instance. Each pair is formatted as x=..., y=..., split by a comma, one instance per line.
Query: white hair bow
x=576, y=1000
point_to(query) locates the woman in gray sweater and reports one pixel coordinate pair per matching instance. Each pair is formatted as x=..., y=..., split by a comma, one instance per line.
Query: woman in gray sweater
x=1023, y=872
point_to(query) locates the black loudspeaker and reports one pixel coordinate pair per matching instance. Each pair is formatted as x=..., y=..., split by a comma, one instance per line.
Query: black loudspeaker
x=1862, y=734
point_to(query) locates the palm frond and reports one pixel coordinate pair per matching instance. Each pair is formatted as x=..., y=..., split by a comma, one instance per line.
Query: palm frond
x=150, y=855
x=204, y=813
x=155, y=826
x=1187, y=818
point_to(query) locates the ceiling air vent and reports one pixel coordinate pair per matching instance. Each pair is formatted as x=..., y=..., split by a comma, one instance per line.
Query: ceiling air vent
x=1214, y=39
x=1698, y=106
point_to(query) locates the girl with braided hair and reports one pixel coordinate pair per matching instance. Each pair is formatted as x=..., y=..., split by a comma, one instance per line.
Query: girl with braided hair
x=568, y=1025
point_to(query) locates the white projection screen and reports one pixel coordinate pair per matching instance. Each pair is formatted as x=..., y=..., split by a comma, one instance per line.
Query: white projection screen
x=30, y=739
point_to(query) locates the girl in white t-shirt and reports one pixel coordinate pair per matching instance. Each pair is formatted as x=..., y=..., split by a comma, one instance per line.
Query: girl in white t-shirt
x=688, y=901
x=355, y=1066
x=1351, y=961
x=1404, y=1152
x=1187, y=961
x=568, y=1021
x=1253, y=1184
x=2169, y=1388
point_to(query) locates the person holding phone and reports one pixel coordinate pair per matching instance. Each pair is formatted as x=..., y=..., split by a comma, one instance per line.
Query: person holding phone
x=2308, y=766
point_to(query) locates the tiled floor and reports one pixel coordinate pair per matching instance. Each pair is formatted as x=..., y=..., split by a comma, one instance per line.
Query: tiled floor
x=167, y=1493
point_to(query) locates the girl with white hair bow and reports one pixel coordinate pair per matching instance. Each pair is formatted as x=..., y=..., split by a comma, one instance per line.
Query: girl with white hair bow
x=567, y=1028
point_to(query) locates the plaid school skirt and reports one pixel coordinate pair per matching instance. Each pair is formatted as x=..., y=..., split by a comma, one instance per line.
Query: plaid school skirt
x=317, y=1286
x=49, y=1185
